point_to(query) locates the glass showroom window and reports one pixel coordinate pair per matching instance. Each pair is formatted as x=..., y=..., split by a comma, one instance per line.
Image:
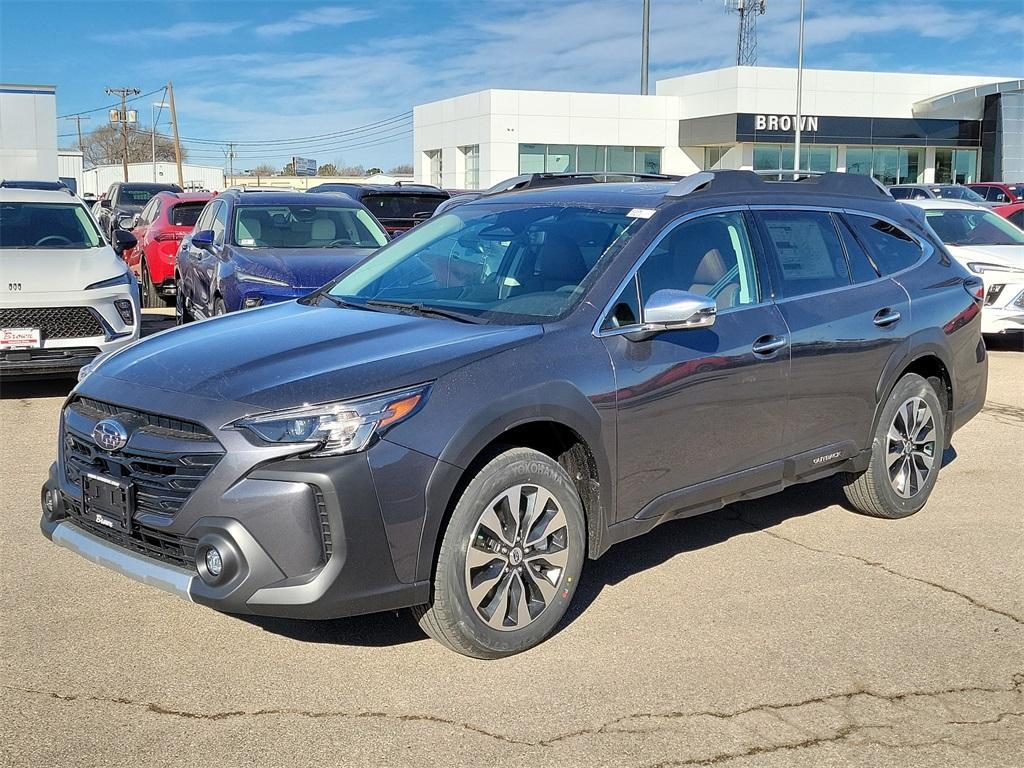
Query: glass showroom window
x=779, y=157
x=472, y=162
x=890, y=165
x=956, y=166
x=713, y=156
x=434, y=164
x=573, y=158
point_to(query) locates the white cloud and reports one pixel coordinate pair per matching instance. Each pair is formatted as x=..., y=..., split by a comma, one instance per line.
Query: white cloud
x=181, y=32
x=328, y=16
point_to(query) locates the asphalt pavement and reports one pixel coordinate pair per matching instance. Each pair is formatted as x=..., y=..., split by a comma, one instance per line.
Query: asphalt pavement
x=783, y=632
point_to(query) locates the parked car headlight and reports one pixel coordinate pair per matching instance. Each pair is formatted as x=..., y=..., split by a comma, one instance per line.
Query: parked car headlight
x=125, y=278
x=981, y=267
x=337, y=428
x=246, y=277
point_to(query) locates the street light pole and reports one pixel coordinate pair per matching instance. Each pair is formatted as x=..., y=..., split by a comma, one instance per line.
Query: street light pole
x=155, y=116
x=799, y=89
x=645, y=47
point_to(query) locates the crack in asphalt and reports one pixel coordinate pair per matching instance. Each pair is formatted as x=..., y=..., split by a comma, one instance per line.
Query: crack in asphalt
x=774, y=709
x=1004, y=413
x=881, y=566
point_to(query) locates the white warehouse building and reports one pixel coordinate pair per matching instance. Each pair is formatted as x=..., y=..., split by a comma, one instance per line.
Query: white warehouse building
x=899, y=127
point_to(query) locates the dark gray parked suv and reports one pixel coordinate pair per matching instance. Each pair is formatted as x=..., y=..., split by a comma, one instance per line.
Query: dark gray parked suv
x=458, y=422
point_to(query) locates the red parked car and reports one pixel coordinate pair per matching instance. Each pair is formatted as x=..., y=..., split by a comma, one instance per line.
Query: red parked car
x=159, y=228
x=999, y=193
x=1014, y=212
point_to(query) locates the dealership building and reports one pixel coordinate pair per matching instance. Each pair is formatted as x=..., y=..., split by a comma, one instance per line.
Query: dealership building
x=899, y=127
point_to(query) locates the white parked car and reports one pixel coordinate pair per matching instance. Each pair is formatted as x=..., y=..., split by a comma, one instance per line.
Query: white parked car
x=990, y=246
x=66, y=295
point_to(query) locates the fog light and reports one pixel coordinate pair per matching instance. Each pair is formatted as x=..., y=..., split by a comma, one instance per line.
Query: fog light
x=213, y=562
x=50, y=501
x=124, y=309
x=251, y=301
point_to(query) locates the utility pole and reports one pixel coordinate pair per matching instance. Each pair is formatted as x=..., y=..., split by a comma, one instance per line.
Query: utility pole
x=78, y=122
x=645, y=47
x=122, y=118
x=230, y=155
x=177, y=142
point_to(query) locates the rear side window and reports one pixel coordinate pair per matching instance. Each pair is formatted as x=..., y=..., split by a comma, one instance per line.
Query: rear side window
x=1018, y=218
x=890, y=247
x=807, y=252
x=900, y=193
x=861, y=268
x=185, y=214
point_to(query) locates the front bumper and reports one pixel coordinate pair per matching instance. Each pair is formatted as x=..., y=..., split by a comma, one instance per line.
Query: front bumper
x=1003, y=311
x=299, y=538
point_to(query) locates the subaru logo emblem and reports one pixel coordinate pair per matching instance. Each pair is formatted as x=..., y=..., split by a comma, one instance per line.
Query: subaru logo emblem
x=110, y=435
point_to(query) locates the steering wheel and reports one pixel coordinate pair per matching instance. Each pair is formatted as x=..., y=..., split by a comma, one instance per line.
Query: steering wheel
x=335, y=243
x=62, y=240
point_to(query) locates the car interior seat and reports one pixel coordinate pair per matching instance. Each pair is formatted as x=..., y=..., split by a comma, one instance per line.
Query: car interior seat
x=559, y=264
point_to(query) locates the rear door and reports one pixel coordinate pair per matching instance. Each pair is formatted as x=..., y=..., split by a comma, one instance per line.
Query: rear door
x=845, y=320
x=190, y=261
x=700, y=404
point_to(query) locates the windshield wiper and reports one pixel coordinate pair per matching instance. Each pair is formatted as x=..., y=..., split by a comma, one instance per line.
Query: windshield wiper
x=340, y=302
x=423, y=310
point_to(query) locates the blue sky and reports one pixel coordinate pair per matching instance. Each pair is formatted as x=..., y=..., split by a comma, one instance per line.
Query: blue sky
x=262, y=70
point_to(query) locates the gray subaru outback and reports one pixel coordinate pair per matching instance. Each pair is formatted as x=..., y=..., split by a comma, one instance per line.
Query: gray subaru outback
x=457, y=423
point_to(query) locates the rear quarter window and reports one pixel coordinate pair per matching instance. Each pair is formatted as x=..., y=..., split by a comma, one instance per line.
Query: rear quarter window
x=808, y=255
x=891, y=249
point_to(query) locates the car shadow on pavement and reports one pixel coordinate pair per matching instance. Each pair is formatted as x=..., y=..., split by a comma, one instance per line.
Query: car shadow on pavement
x=374, y=630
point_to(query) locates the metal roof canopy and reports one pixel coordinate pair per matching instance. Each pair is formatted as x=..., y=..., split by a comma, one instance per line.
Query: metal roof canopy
x=966, y=95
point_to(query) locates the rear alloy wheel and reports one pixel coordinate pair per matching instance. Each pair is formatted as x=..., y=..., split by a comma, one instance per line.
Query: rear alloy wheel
x=181, y=313
x=510, y=558
x=906, y=453
x=219, y=307
x=150, y=298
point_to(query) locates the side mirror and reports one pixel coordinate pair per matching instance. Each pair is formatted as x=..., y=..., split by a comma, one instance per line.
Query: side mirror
x=126, y=221
x=123, y=240
x=671, y=310
x=203, y=239
x=105, y=202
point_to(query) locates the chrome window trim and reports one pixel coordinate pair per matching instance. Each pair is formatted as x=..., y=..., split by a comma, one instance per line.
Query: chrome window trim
x=642, y=259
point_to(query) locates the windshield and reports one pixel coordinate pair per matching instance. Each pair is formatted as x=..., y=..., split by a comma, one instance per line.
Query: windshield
x=47, y=225
x=970, y=227
x=958, y=193
x=306, y=226
x=390, y=206
x=500, y=263
x=185, y=214
x=901, y=193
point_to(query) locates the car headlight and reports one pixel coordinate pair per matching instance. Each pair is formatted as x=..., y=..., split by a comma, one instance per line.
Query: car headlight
x=125, y=278
x=93, y=364
x=981, y=267
x=246, y=277
x=336, y=428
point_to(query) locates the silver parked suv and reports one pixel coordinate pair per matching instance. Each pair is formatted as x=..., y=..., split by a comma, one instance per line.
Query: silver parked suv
x=65, y=294
x=459, y=421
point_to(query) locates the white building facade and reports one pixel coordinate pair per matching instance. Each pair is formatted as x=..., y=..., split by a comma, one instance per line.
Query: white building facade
x=28, y=132
x=196, y=177
x=899, y=127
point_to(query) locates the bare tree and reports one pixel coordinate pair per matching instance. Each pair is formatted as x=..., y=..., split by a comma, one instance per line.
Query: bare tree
x=401, y=170
x=102, y=146
x=327, y=169
x=263, y=169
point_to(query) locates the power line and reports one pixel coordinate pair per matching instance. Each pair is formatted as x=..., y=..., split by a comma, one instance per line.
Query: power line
x=110, y=106
x=377, y=141
x=305, y=139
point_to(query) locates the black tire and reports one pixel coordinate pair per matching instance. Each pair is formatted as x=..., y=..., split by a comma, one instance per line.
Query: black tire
x=219, y=307
x=877, y=490
x=181, y=313
x=451, y=617
x=150, y=298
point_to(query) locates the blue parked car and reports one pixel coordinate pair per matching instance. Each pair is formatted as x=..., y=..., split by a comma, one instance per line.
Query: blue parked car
x=253, y=248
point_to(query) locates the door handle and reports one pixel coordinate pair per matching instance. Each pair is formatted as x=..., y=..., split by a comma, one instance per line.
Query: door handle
x=766, y=345
x=886, y=317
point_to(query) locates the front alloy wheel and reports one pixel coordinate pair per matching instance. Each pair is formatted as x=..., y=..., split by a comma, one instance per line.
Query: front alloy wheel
x=510, y=558
x=516, y=557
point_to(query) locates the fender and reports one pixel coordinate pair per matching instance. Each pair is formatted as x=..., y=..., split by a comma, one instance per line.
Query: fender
x=927, y=342
x=556, y=402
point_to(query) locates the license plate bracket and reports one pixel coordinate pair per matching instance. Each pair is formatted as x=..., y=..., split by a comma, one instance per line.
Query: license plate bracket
x=21, y=338
x=108, y=501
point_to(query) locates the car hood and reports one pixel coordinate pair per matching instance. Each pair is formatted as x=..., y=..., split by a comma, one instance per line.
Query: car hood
x=289, y=354
x=1010, y=255
x=300, y=267
x=44, y=270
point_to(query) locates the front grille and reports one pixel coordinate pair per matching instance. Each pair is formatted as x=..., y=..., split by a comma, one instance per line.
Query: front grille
x=163, y=479
x=55, y=322
x=167, y=547
x=59, y=353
